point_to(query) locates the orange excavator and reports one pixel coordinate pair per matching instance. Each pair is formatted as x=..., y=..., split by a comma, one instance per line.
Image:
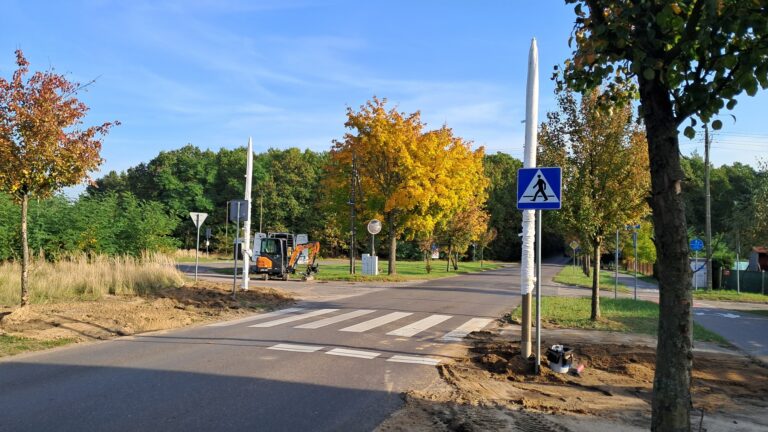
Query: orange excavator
x=276, y=260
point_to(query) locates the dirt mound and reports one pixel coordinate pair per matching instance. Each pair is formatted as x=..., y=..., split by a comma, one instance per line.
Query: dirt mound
x=119, y=316
x=493, y=383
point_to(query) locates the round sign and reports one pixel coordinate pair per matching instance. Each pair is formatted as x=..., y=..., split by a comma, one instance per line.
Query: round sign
x=697, y=245
x=574, y=244
x=374, y=226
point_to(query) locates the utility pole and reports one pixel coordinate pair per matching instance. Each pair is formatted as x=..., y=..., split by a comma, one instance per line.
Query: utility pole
x=261, y=212
x=527, y=264
x=352, y=184
x=707, y=209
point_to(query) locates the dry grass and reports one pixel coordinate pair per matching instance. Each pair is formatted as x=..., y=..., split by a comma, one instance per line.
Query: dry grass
x=83, y=278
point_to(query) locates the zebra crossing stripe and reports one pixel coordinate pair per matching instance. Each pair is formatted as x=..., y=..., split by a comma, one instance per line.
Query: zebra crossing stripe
x=353, y=353
x=336, y=319
x=376, y=322
x=255, y=317
x=415, y=360
x=468, y=327
x=419, y=326
x=294, y=318
x=296, y=348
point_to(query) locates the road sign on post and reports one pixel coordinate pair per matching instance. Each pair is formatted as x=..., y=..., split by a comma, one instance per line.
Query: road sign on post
x=238, y=211
x=539, y=189
x=697, y=245
x=198, y=219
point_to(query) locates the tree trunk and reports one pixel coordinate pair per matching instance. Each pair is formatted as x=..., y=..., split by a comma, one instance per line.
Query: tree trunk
x=674, y=355
x=24, y=251
x=585, y=268
x=392, y=263
x=448, y=258
x=596, y=280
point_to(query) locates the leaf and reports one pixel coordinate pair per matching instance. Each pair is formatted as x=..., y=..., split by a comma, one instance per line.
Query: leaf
x=689, y=132
x=717, y=125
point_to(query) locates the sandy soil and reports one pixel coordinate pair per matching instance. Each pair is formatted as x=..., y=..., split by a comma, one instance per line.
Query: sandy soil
x=492, y=388
x=119, y=316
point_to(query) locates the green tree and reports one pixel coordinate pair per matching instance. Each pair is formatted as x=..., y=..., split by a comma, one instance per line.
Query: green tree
x=42, y=146
x=505, y=218
x=605, y=171
x=688, y=59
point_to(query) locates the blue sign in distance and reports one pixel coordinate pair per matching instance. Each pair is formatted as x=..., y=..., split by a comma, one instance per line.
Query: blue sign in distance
x=697, y=245
x=539, y=188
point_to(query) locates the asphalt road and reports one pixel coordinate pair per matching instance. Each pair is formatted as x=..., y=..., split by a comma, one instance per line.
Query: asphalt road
x=334, y=362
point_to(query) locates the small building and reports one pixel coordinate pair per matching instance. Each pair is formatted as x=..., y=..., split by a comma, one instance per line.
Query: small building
x=758, y=259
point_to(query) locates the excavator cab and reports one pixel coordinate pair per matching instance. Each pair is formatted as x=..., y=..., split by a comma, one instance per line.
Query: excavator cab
x=273, y=258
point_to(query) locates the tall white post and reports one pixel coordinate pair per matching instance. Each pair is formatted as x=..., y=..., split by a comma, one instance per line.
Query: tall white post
x=247, y=252
x=527, y=277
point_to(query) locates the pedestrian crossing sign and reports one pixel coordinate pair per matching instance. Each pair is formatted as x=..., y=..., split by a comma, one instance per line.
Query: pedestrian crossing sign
x=539, y=188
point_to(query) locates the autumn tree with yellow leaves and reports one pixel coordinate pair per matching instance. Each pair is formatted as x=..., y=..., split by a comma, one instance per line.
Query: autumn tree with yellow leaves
x=415, y=180
x=42, y=147
x=606, y=184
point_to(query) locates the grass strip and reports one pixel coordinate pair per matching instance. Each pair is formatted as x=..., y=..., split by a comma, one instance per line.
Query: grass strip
x=571, y=275
x=11, y=345
x=621, y=315
x=338, y=270
x=730, y=295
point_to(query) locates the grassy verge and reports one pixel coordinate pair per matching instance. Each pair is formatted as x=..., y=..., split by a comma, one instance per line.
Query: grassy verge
x=406, y=270
x=640, y=276
x=571, y=275
x=11, y=345
x=731, y=296
x=757, y=312
x=84, y=278
x=622, y=315
x=338, y=270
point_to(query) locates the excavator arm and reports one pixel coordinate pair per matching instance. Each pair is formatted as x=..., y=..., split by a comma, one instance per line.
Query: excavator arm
x=314, y=249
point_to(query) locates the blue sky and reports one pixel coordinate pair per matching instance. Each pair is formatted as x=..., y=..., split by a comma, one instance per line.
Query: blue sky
x=213, y=72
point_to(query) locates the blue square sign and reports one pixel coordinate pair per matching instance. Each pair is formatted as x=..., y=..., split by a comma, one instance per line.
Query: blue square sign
x=539, y=188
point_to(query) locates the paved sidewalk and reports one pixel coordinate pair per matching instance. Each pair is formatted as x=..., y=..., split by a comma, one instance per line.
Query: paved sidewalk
x=731, y=320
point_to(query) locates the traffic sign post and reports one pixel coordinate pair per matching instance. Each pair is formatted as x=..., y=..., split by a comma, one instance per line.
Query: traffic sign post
x=374, y=227
x=634, y=229
x=238, y=211
x=198, y=219
x=696, y=245
x=539, y=189
x=574, y=245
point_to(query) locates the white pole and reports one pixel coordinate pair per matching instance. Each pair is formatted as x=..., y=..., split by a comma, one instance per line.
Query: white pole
x=247, y=225
x=529, y=216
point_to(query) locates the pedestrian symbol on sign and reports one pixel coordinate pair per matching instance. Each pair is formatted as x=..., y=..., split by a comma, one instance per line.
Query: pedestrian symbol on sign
x=541, y=187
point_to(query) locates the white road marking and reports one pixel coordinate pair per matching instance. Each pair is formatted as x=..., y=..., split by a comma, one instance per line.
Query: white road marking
x=255, y=317
x=468, y=327
x=336, y=319
x=376, y=322
x=353, y=353
x=294, y=318
x=419, y=326
x=296, y=348
x=415, y=360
